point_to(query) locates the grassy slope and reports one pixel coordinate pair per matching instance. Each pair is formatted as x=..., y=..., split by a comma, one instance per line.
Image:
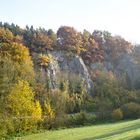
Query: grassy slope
x=129, y=130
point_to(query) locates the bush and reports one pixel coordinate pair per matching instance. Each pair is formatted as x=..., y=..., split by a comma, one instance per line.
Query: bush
x=117, y=114
x=77, y=119
x=131, y=110
x=91, y=118
x=80, y=118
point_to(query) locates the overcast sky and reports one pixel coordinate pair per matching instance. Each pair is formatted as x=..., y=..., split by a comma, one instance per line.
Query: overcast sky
x=120, y=17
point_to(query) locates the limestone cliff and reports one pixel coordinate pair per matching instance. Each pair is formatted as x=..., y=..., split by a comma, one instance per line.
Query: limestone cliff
x=64, y=62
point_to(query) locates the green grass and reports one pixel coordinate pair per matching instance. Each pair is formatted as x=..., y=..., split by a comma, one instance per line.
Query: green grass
x=128, y=130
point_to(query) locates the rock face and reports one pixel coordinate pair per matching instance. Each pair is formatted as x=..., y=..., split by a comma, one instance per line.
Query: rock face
x=62, y=62
x=65, y=63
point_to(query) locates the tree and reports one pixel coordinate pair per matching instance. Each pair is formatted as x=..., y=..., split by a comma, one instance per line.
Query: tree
x=43, y=60
x=22, y=107
x=5, y=35
x=106, y=92
x=117, y=47
x=93, y=51
x=88, y=41
x=15, y=62
x=38, y=40
x=18, y=54
x=52, y=35
x=8, y=76
x=49, y=114
x=69, y=39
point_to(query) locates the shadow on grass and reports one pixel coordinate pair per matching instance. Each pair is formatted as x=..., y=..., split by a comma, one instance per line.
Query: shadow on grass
x=120, y=131
x=135, y=138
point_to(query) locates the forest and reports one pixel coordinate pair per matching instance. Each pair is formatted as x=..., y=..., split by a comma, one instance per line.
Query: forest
x=69, y=78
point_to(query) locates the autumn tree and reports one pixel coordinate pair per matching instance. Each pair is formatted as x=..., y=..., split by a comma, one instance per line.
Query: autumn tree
x=8, y=76
x=15, y=63
x=69, y=39
x=21, y=106
x=17, y=53
x=43, y=60
x=5, y=35
x=93, y=51
x=38, y=40
x=49, y=114
x=15, y=29
x=113, y=46
x=116, y=46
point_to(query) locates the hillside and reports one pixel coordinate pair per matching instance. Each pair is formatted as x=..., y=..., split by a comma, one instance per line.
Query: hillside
x=51, y=80
x=129, y=130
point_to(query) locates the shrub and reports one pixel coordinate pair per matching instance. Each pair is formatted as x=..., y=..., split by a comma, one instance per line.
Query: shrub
x=131, y=110
x=80, y=118
x=76, y=119
x=117, y=114
x=91, y=118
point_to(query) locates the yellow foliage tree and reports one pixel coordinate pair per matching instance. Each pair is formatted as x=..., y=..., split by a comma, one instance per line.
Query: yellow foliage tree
x=21, y=106
x=43, y=60
x=5, y=35
x=49, y=114
x=48, y=110
x=17, y=53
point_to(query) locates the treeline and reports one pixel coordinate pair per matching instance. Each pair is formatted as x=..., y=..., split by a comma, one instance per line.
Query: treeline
x=28, y=103
x=91, y=47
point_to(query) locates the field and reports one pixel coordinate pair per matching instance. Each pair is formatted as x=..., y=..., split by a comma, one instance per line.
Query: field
x=128, y=130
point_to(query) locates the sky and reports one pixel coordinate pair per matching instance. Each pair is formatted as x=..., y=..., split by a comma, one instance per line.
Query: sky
x=120, y=17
